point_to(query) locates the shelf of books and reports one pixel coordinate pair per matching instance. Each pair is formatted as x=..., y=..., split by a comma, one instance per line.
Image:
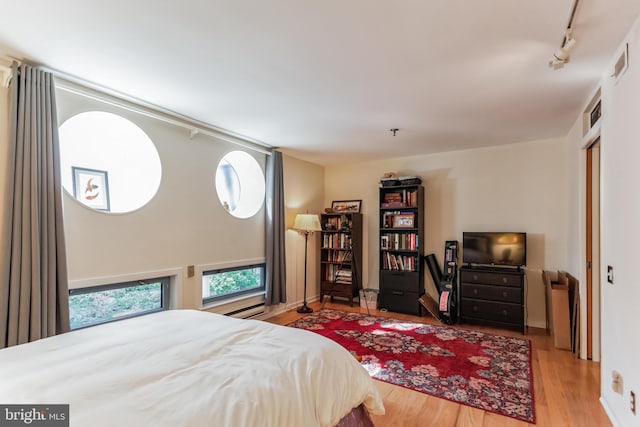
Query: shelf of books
x=340, y=255
x=395, y=197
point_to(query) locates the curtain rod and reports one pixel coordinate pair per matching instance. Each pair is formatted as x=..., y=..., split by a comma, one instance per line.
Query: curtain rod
x=130, y=103
x=195, y=127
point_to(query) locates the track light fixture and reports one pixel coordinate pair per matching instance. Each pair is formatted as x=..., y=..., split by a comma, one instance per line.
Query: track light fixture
x=561, y=56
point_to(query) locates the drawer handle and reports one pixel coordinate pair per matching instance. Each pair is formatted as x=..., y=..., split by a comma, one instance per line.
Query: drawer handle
x=504, y=312
x=505, y=294
x=504, y=280
x=475, y=292
x=475, y=308
x=397, y=293
x=475, y=277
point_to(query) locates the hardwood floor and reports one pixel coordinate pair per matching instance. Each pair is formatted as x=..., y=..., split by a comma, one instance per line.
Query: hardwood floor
x=566, y=389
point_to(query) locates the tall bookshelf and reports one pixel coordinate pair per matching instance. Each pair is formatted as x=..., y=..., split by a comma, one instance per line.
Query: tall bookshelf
x=341, y=256
x=401, y=248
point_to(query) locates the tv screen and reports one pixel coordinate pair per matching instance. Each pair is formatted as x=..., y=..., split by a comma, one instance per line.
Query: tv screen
x=492, y=248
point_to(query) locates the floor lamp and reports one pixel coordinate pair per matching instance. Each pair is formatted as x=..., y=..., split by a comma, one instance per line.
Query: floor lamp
x=306, y=224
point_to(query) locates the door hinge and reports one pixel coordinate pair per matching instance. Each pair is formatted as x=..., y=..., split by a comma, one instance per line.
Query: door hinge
x=589, y=264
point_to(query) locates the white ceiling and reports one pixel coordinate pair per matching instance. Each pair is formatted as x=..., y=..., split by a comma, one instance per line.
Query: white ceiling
x=326, y=80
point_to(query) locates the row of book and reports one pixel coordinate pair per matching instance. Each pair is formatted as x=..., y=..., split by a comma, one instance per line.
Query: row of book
x=400, y=198
x=337, y=223
x=336, y=241
x=400, y=241
x=337, y=256
x=398, y=262
x=337, y=274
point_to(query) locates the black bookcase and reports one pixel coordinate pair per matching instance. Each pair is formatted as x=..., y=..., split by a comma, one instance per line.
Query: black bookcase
x=341, y=256
x=401, y=248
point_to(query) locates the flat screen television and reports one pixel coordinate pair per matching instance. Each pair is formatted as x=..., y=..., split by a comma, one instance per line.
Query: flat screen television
x=493, y=248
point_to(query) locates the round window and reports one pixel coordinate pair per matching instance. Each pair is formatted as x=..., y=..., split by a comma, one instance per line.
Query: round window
x=240, y=184
x=107, y=162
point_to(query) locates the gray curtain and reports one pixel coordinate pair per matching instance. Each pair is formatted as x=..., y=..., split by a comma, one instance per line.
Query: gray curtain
x=33, y=269
x=276, y=270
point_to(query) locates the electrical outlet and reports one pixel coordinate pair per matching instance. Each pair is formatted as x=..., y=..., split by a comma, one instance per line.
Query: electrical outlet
x=616, y=382
x=633, y=403
x=191, y=271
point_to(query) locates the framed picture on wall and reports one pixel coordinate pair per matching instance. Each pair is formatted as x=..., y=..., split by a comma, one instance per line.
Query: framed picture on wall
x=346, y=206
x=91, y=187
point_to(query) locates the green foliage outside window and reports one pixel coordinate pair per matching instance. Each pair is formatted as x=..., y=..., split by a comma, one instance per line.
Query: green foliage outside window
x=102, y=306
x=227, y=282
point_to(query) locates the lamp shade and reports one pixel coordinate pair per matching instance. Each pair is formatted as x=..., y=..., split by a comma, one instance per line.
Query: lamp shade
x=307, y=222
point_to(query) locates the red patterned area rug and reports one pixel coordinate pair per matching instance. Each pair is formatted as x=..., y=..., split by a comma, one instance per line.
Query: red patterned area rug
x=485, y=371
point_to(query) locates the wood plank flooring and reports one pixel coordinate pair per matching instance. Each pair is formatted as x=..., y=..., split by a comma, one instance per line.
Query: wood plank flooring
x=566, y=389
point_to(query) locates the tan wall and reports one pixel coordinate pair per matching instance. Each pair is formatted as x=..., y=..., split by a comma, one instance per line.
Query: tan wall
x=519, y=187
x=4, y=148
x=304, y=189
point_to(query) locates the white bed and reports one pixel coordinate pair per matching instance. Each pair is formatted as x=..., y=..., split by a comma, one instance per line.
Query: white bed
x=189, y=368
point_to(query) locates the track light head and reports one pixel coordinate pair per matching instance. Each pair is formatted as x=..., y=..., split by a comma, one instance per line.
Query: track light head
x=569, y=43
x=561, y=55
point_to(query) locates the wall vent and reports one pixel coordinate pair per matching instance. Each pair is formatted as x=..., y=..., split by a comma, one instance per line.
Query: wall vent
x=248, y=312
x=592, y=114
x=595, y=114
x=622, y=63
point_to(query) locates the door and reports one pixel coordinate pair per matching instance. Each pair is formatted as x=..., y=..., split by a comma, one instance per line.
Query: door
x=593, y=250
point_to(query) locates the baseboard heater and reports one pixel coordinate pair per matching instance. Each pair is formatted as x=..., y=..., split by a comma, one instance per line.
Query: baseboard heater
x=247, y=312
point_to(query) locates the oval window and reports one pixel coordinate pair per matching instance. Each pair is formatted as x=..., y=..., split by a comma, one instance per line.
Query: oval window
x=107, y=162
x=240, y=184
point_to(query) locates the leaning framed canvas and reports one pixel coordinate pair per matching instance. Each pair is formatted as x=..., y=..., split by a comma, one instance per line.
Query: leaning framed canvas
x=346, y=206
x=403, y=221
x=91, y=187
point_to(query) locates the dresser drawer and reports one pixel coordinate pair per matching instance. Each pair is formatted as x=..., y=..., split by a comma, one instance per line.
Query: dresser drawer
x=491, y=292
x=491, y=278
x=489, y=310
x=400, y=301
x=408, y=281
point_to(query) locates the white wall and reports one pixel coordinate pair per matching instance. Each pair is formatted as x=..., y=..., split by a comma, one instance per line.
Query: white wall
x=620, y=229
x=518, y=187
x=184, y=224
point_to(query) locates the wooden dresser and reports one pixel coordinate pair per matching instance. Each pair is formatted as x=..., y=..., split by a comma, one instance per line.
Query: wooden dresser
x=492, y=296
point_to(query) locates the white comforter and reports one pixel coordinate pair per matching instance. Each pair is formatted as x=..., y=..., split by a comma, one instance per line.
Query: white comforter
x=189, y=368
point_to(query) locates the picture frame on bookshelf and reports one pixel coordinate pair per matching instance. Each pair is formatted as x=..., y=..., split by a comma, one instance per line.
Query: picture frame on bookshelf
x=346, y=206
x=384, y=242
x=403, y=221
